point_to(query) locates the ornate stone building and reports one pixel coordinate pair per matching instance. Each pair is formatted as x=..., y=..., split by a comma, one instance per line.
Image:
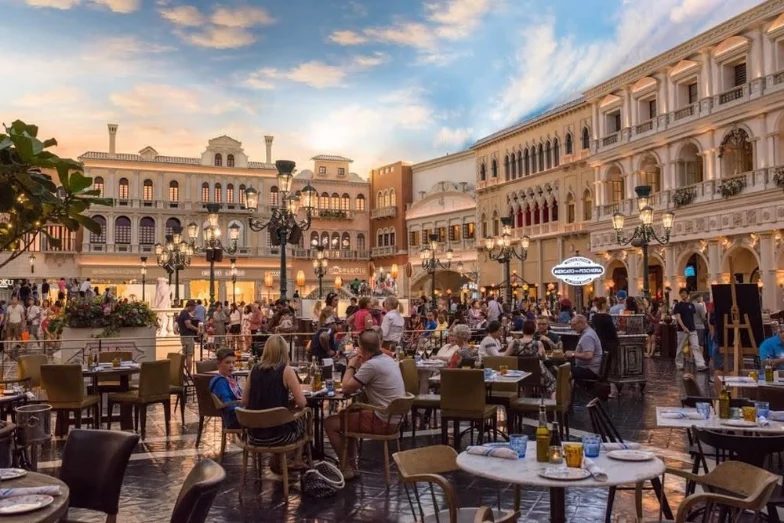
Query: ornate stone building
x=702, y=125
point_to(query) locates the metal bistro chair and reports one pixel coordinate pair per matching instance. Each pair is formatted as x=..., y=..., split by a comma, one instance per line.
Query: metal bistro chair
x=429, y=402
x=464, y=398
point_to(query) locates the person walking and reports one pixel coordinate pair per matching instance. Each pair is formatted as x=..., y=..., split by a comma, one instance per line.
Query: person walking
x=684, y=314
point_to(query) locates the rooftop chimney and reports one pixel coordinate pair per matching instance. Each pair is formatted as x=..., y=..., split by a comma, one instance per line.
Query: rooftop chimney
x=422, y=195
x=463, y=186
x=112, y=138
x=268, y=141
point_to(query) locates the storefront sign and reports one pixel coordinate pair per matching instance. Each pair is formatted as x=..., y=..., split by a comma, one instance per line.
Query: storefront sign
x=350, y=271
x=577, y=271
x=219, y=273
x=114, y=271
x=5, y=283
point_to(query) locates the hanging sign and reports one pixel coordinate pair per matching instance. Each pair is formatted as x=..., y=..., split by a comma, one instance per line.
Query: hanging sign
x=577, y=271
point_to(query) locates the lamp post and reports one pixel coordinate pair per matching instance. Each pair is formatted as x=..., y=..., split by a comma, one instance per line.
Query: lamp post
x=212, y=246
x=144, y=275
x=174, y=257
x=431, y=264
x=32, y=263
x=284, y=217
x=233, y=280
x=320, y=263
x=507, y=251
x=644, y=234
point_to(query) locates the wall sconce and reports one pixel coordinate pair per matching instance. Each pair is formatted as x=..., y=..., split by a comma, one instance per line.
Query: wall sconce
x=32, y=263
x=300, y=278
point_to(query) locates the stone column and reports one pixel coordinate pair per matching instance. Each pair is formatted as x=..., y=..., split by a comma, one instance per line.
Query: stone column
x=706, y=75
x=633, y=261
x=594, y=125
x=757, y=70
x=767, y=270
x=714, y=261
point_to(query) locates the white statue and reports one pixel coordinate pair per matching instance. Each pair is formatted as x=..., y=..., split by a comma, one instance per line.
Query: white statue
x=162, y=300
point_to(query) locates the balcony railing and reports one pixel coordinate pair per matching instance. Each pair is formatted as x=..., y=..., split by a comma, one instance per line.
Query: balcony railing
x=733, y=94
x=383, y=251
x=384, y=212
x=778, y=78
x=684, y=113
x=333, y=214
x=610, y=139
x=643, y=127
x=332, y=255
x=65, y=245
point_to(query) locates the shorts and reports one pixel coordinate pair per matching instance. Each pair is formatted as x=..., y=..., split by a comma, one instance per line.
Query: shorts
x=13, y=330
x=366, y=422
x=187, y=345
x=234, y=329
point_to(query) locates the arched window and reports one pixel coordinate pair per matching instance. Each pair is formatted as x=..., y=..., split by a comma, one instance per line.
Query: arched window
x=100, y=237
x=123, y=194
x=218, y=160
x=205, y=192
x=736, y=153
x=324, y=203
x=554, y=210
x=242, y=195
x=507, y=172
x=571, y=215
x=569, y=145
x=482, y=172
x=335, y=201
x=547, y=155
x=528, y=220
x=361, y=202
x=519, y=220
x=274, y=196
x=527, y=162
x=496, y=224
x=122, y=231
x=513, y=168
x=689, y=166
x=230, y=160
x=650, y=174
x=511, y=213
x=537, y=214
x=325, y=239
x=146, y=231
x=586, y=138
x=230, y=193
x=540, y=161
x=345, y=202
x=392, y=234
x=335, y=241
x=392, y=198
x=147, y=191
x=545, y=212
x=360, y=242
x=535, y=167
x=345, y=242
x=587, y=206
x=174, y=191
x=616, y=185
x=98, y=185
x=172, y=226
x=218, y=193
x=379, y=200
x=556, y=153
x=314, y=239
x=380, y=238
x=494, y=168
x=519, y=164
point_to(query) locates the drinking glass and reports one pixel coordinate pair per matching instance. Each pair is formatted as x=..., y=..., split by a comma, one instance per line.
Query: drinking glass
x=763, y=409
x=488, y=373
x=574, y=454
x=502, y=369
x=518, y=443
x=704, y=408
x=735, y=413
x=750, y=414
x=591, y=445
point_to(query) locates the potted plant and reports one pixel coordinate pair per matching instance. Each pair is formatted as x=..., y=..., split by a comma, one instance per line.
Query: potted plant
x=778, y=177
x=684, y=196
x=732, y=186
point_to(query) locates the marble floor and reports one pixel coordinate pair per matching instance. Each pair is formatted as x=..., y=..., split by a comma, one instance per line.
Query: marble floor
x=159, y=465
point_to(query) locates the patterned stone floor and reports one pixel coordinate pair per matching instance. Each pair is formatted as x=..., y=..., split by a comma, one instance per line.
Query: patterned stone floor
x=159, y=466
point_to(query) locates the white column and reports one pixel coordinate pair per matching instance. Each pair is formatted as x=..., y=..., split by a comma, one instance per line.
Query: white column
x=635, y=276
x=667, y=102
x=768, y=56
x=626, y=116
x=598, y=197
x=771, y=149
x=669, y=266
x=757, y=70
x=706, y=75
x=715, y=77
x=768, y=270
x=594, y=125
x=714, y=261
x=161, y=192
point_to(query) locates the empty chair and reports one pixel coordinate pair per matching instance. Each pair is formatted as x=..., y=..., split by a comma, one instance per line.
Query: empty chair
x=153, y=388
x=93, y=467
x=65, y=392
x=177, y=381
x=206, y=366
x=464, y=398
x=113, y=383
x=502, y=394
x=429, y=402
x=560, y=405
x=690, y=385
x=29, y=366
x=198, y=492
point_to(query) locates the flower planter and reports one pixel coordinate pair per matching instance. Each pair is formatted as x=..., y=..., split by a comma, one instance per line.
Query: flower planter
x=138, y=340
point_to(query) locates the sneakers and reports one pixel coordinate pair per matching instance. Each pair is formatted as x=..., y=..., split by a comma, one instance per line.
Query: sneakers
x=702, y=369
x=350, y=473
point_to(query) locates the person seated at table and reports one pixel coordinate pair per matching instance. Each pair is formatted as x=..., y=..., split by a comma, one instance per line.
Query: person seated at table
x=430, y=324
x=527, y=347
x=269, y=386
x=772, y=350
x=588, y=354
x=550, y=340
x=323, y=344
x=491, y=344
x=448, y=349
x=464, y=354
x=380, y=379
x=226, y=387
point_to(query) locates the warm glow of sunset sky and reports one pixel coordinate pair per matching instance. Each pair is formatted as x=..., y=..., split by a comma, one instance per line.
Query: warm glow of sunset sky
x=375, y=80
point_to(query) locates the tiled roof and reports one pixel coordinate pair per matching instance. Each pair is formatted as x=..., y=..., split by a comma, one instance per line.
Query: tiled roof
x=92, y=155
x=332, y=158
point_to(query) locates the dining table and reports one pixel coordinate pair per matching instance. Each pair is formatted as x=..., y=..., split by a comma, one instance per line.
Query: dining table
x=49, y=514
x=316, y=402
x=685, y=418
x=121, y=373
x=526, y=472
x=747, y=382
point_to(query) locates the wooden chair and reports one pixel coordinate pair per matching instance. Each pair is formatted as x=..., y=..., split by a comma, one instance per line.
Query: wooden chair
x=177, y=381
x=690, y=385
x=429, y=402
x=153, y=388
x=559, y=406
x=752, y=486
x=65, y=392
x=208, y=409
x=198, y=492
x=267, y=419
x=773, y=395
x=502, y=394
x=464, y=398
x=426, y=465
x=206, y=366
x=224, y=430
x=29, y=366
x=397, y=409
x=532, y=385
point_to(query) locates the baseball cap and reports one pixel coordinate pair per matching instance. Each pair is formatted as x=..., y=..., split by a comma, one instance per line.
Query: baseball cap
x=621, y=294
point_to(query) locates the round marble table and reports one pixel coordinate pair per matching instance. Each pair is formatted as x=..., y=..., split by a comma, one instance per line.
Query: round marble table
x=50, y=514
x=526, y=472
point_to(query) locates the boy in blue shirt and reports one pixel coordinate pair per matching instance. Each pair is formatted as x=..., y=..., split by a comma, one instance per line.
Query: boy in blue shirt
x=772, y=350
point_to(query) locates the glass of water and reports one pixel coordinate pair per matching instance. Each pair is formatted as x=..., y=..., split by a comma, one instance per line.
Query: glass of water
x=763, y=409
x=704, y=409
x=518, y=443
x=592, y=444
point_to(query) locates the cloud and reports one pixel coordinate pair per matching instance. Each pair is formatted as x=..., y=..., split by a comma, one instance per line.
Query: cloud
x=347, y=38
x=243, y=17
x=57, y=96
x=455, y=19
x=184, y=15
x=453, y=137
x=370, y=61
x=117, y=6
x=226, y=28
x=146, y=99
x=690, y=8
x=315, y=73
x=219, y=37
x=54, y=4
x=412, y=34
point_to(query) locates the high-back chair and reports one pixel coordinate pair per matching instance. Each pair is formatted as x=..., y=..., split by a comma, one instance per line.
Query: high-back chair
x=29, y=366
x=153, y=388
x=427, y=465
x=112, y=383
x=690, y=385
x=206, y=366
x=177, y=381
x=773, y=395
x=397, y=409
x=204, y=401
x=65, y=392
x=532, y=385
x=267, y=419
x=559, y=406
x=198, y=492
x=219, y=405
x=430, y=402
x=464, y=398
x=97, y=486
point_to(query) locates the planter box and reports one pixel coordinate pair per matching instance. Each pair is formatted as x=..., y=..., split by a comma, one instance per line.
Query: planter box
x=76, y=341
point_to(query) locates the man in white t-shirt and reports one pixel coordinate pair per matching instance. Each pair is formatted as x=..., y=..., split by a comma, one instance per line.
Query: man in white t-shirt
x=15, y=320
x=494, y=310
x=84, y=287
x=34, y=319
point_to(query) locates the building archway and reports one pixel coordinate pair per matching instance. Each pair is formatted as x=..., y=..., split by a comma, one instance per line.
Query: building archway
x=615, y=185
x=650, y=173
x=693, y=267
x=745, y=264
x=655, y=276
x=736, y=153
x=689, y=165
x=617, y=276
x=446, y=280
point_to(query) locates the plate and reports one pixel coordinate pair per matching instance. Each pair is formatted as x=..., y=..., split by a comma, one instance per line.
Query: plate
x=10, y=392
x=631, y=455
x=564, y=473
x=738, y=423
x=6, y=474
x=22, y=504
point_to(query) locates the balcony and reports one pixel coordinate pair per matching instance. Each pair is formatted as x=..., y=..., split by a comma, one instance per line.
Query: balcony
x=778, y=78
x=736, y=93
x=66, y=245
x=308, y=254
x=378, y=252
x=610, y=139
x=644, y=127
x=383, y=212
x=333, y=214
x=687, y=111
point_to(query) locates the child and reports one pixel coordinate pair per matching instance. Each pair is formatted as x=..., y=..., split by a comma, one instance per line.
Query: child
x=210, y=330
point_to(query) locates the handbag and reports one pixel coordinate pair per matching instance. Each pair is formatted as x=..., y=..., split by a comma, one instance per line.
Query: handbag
x=322, y=480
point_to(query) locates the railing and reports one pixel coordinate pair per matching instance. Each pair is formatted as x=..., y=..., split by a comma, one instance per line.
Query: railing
x=66, y=245
x=333, y=214
x=383, y=251
x=778, y=78
x=610, y=139
x=644, y=127
x=331, y=255
x=684, y=113
x=384, y=212
x=735, y=93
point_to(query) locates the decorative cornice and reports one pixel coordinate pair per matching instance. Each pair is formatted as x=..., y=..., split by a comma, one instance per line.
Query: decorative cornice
x=711, y=37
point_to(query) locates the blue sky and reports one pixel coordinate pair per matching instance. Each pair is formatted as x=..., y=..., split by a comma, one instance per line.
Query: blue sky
x=374, y=80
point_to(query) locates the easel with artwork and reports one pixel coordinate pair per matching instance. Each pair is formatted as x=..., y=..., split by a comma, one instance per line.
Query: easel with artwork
x=738, y=332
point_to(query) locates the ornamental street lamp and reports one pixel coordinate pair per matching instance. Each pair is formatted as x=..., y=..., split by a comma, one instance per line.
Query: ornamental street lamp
x=174, y=256
x=144, y=274
x=233, y=280
x=644, y=233
x=320, y=263
x=431, y=264
x=212, y=246
x=507, y=251
x=283, y=220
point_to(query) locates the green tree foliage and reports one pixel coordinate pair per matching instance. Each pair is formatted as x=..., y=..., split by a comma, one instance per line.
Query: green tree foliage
x=30, y=199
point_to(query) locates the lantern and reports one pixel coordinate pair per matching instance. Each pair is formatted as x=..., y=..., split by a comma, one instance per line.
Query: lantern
x=338, y=282
x=268, y=280
x=300, y=278
x=394, y=271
